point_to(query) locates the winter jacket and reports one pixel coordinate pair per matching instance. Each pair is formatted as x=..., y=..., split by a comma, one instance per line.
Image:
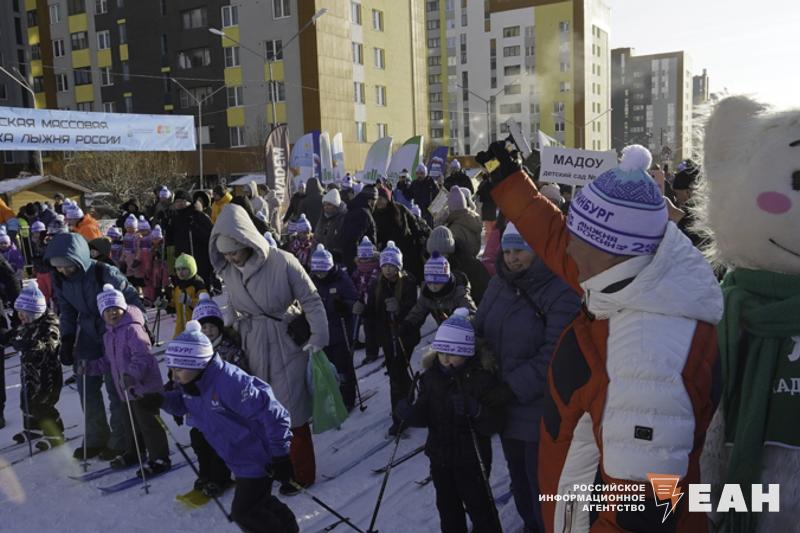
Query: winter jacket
x=364, y=275
x=441, y=304
x=38, y=343
x=328, y=229
x=77, y=295
x=337, y=285
x=293, y=211
x=228, y=346
x=301, y=249
x=521, y=318
x=466, y=227
x=255, y=199
x=238, y=414
x=449, y=441
x=470, y=266
x=185, y=295
x=375, y=314
x=459, y=179
x=423, y=193
x=491, y=251
x=357, y=223
x=14, y=258
x=272, y=282
x=9, y=283
x=188, y=233
x=127, y=351
x=396, y=223
x=311, y=205
x=488, y=207
x=217, y=206
x=634, y=380
x=88, y=227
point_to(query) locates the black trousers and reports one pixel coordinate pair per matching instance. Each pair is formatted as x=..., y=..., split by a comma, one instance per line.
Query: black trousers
x=256, y=510
x=343, y=361
x=210, y=464
x=398, y=368
x=153, y=437
x=2, y=379
x=462, y=488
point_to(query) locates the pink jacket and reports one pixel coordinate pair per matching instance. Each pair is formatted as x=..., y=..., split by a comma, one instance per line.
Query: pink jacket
x=127, y=351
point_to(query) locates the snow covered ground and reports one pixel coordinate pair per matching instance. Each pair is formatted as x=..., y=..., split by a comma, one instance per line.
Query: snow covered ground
x=36, y=495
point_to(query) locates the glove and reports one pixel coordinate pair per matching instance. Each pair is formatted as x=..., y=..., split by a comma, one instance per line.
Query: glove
x=499, y=396
x=128, y=380
x=464, y=405
x=281, y=469
x=311, y=348
x=152, y=401
x=160, y=303
x=358, y=308
x=392, y=305
x=340, y=306
x=67, y=347
x=403, y=410
x=501, y=160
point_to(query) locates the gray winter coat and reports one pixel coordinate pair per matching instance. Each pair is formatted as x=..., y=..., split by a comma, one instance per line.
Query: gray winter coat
x=272, y=282
x=466, y=226
x=522, y=333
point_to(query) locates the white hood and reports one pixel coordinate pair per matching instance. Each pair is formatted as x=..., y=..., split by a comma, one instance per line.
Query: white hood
x=676, y=281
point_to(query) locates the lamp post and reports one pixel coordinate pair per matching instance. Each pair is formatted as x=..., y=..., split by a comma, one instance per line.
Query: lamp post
x=199, y=103
x=271, y=90
x=488, y=103
x=581, y=128
x=22, y=82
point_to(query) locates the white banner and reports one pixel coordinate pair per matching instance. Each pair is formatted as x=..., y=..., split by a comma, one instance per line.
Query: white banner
x=377, y=161
x=325, y=158
x=572, y=166
x=49, y=129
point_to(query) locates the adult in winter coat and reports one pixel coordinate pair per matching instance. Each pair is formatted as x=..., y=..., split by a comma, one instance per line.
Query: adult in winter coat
x=520, y=319
x=9, y=290
x=188, y=234
x=422, y=191
x=464, y=223
x=634, y=380
x=311, y=205
x=358, y=223
x=394, y=222
x=459, y=178
x=328, y=228
x=264, y=286
x=78, y=280
x=293, y=211
x=251, y=193
x=441, y=240
x=488, y=207
x=131, y=207
x=222, y=197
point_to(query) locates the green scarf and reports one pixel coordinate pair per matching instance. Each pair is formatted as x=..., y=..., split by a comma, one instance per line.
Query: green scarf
x=762, y=314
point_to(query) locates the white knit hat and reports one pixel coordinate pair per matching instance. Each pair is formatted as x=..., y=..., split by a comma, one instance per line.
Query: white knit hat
x=512, y=240
x=114, y=233
x=301, y=225
x=5, y=239
x=31, y=299
x=422, y=168
x=332, y=197
x=73, y=212
x=190, y=349
x=131, y=222
x=366, y=250
x=157, y=233
x=38, y=227
x=110, y=297
x=391, y=255
x=437, y=269
x=144, y=225
x=206, y=308
x=456, y=335
x=321, y=259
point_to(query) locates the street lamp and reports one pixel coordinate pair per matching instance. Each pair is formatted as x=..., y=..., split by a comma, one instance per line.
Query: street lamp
x=268, y=61
x=22, y=82
x=488, y=103
x=199, y=103
x=581, y=128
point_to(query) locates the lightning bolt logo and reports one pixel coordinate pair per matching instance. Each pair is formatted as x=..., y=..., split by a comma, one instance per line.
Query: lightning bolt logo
x=666, y=492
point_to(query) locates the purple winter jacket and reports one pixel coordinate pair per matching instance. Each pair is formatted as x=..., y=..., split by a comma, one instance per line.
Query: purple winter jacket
x=14, y=258
x=127, y=351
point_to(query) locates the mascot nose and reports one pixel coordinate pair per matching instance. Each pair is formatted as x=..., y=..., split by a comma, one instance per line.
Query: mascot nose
x=774, y=202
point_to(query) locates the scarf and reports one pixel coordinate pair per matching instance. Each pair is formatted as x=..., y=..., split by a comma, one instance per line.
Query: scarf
x=759, y=369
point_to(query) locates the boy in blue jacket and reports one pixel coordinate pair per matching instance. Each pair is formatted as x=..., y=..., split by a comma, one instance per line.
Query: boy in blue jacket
x=241, y=419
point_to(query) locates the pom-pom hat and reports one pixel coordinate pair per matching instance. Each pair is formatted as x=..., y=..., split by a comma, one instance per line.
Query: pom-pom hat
x=189, y=350
x=31, y=299
x=391, y=255
x=456, y=335
x=321, y=259
x=366, y=250
x=131, y=222
x=110, y=297
x=207, y=310
x=512, y=240
x=437, y=269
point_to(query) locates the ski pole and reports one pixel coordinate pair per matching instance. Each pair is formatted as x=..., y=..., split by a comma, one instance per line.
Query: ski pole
x=26, y=413
x=196, y=471
x=397, y=345
x=484, y=473
x=391, y=460
x=325, y=506
x=85, y=463
x=136, y=441
x=361, y=405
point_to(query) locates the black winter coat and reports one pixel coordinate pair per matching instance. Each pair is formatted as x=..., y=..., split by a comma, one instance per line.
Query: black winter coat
x=357, y=222
x=423, y=193
x=38, y=344
x=488, y=207
x=396, y=223
x=311, y=205
x=376, y=316
x=461, y=179
x=189, y=233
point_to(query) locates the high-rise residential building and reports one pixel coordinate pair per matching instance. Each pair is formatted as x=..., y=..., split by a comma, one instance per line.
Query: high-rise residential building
x=356, y=69
x=652, y=100
x=700, y=91
x=542, y=63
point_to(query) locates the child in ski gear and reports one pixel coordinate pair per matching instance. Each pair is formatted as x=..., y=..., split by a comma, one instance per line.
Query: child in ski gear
x=338, y=296
x=443, y=292
x=115, y=236
x=41, y=271
x=11, y=253
x=450, y=405
x=38, y=340
x=367, y=270
x=135, y=373
x=390, y=299
x=242, y=421
x=157, y=275
x=300, y=240
x=145, y=254
x=82, y=224
x=130, y=247
x=187, y=287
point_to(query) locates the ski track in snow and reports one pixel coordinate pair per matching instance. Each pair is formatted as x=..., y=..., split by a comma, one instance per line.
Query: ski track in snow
x=37, y=495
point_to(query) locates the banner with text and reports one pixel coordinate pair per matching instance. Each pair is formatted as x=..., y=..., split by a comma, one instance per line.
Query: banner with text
x=572, y=166
x=49, y=130
x=277, y=157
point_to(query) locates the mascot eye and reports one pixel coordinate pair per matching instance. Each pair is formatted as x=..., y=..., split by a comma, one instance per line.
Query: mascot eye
x=796, y=180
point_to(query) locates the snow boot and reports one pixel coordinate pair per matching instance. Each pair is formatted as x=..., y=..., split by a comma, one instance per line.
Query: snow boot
x=109, y=454
x=155, y=467
x=91, y=452
x=123, y=461
x=2, y=420
x=288, y=490
x=26, y=435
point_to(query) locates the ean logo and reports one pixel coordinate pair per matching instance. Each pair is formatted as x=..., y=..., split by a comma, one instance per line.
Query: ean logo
x=666, y=492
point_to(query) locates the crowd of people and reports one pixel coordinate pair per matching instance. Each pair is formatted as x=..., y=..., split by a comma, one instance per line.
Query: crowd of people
x=538, y=305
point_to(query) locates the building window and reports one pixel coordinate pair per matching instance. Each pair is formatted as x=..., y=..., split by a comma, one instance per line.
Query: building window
x=434, y=79
x=432, y=5
x=8, y=157
x=235, y=96
x=564, y=66
x=434, y=97
x=38, y=84
x=383, y=130
x=103, y=40
x=204, y=134
x=434, y=61
x=79, y=40
x=32, y=19
x=432, y=24
x=377, y=25
x=83, y=76
x=361, y=132
x=511, y=31
x=123, y=33
x=85, y=106
x=128, y=101
x=437, y=133
x=534, y=108
x=278, y=91
x=274, y=50
x=55, y=14
x=163, y=7
x=559, y=126
x=100, y=7
x=558, y=107
x=120, y=3
x=281, y=9
x=512, y=89
x=563, y=27
x=62, y=83
x=380, y=57
x=197, y=57
x=510, y=51
x=512, y=70
x=433, y=42
x=231, y=56
x=36, y=51
x=106, y=79
x=355, y=13
x=195, y=18
x=230, y=16
x=126, y=71
x=508, y=109
x=437, y=115
x=108, y=107
x=236, y=136
x=358, y=92
x=199, y=93
x=358, y=53
x=3, y=92
x=564, y=86
x=380, y=95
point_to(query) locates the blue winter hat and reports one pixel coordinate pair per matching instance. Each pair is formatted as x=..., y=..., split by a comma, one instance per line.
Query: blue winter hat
x=191, y=349
x=38, y=227
x=110, y=297
x=456, y=336
x=321, y=259
x=512, y=240
x=437, y=269
x=366, y=250
x=207, y=309
x=31, y=299
x=301, y=225
x=114, y=233
x=391, y=255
